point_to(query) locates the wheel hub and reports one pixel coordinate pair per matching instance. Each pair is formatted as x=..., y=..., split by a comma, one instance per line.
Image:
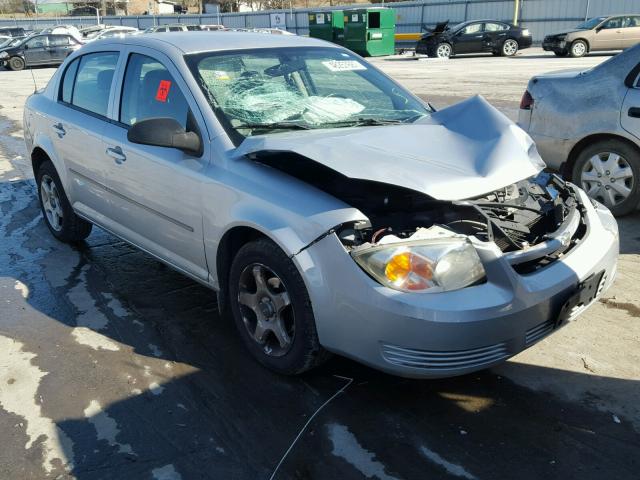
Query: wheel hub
x=608, y=178
x=266, y=309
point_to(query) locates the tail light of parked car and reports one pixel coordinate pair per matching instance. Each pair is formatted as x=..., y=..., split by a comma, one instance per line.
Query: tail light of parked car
x=527, y=101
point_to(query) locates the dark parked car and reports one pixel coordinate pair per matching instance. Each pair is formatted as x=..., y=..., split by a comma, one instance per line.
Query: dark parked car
x=491, y=36
x=39, y=50
x=12, y=32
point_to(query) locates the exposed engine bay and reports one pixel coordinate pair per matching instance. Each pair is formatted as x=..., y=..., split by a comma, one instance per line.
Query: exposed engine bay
x=516, y=217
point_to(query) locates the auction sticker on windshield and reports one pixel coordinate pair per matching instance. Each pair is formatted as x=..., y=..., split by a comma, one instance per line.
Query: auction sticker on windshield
x=343, y=65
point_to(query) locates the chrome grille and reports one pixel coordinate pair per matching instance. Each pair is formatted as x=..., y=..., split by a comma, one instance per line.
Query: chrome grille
x=444, y=360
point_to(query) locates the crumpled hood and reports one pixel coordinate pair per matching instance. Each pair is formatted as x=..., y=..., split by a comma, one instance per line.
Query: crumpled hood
x=463, y=151
x=567, y=32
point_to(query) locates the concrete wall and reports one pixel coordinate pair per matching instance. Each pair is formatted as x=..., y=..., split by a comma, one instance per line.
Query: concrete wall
x=540, y=16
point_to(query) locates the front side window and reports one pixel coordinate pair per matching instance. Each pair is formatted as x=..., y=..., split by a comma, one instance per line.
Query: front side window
x=149, y=91
x=613, y=23
x=268, y=90
x=471, y=29
x=40, y=41
x=93, y=82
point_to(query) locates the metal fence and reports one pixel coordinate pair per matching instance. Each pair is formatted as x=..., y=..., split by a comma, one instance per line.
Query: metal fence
x=540, y=16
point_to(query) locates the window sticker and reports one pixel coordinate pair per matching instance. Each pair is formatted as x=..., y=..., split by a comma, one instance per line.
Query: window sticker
x=163, y=90
x=354, y=17
x=320, y=19
x=343, y=65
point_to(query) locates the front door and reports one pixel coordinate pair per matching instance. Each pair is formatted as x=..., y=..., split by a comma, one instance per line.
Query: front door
x=469, y=39
x=36, y=50
x=77, y=127
x=610, y=35
x=156, y=191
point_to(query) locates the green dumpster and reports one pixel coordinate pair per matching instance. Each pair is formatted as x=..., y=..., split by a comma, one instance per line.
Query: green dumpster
x=327, y=26
x=370, y=32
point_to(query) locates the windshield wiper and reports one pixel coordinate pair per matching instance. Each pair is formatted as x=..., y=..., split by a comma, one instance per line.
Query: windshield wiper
x=273, y=126
x=369, y=122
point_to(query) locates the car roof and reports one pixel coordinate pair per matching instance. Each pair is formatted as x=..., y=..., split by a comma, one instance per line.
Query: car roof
x=210, y=41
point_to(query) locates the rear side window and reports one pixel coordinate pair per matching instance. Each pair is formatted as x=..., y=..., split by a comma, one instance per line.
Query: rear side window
x=68, y=80
x=149, y=91
x=495, y=27
x=175, y=29
x=92, y=85
x=58, y=41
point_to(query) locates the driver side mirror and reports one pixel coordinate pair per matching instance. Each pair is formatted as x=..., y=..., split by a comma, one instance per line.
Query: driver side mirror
x=165, y=132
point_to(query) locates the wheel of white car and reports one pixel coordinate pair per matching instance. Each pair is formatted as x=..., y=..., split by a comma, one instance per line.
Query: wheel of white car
x=609, y=171
x=272, y=310
x=60, y=218
x=579, y=48
x=510, y=47
x=16, y=63
x=443, y=50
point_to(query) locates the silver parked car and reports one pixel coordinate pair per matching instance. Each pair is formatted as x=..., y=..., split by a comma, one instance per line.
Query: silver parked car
x=330, y=209
x=586, y=124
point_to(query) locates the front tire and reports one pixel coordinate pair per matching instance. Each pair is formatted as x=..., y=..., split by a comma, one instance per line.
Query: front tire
x=444, y=50
x=272, y=310
x=16, y=64
x=509, y=48
x=609, y=171
x=578, y=49
x=62, y=221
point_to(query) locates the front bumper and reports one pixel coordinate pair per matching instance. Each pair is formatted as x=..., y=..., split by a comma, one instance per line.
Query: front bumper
x=452, y=333
x=554, y=45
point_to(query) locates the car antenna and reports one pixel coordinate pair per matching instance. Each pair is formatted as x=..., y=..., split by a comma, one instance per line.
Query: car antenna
x=35, y=85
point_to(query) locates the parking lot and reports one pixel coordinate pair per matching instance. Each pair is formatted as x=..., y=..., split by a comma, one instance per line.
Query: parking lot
x=114, y=366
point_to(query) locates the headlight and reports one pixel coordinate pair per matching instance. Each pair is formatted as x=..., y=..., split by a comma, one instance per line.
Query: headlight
x=526, y=32
x=4, y=54
x=427, y=266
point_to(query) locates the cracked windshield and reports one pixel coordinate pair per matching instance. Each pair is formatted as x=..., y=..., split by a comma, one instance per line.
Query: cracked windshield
x=262, y=91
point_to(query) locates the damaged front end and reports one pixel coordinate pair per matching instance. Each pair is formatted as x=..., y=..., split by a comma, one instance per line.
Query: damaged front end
x=429, y=245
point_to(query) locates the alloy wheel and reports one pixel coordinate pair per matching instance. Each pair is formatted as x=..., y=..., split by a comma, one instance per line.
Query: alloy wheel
x=443, y=51
x=51, y=203
x=608, y=178
x=579, y=49
x=510, y=48
x=266, y=309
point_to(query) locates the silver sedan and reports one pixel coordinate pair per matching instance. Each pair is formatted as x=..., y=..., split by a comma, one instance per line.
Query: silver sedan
x=586, y=124
x=329, y=208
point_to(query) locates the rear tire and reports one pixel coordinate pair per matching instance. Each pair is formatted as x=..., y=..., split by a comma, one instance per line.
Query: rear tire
x=609, y=171
x=16, y=64
x=272, y=310
x=509, y=48
x=62, y=221
x=578, y=49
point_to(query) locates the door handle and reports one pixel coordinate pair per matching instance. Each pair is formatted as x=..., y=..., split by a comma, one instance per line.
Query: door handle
x=117, y=154
x=634, y=112
x=59, y=129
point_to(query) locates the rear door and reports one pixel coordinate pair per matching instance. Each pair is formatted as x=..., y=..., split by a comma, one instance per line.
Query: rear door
x=469, y=39
x=494, y=35
x=59, y=48
x=77, y=126
x=156, y=191
x=36, y=50
x=610, y=36
x=631, y=31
